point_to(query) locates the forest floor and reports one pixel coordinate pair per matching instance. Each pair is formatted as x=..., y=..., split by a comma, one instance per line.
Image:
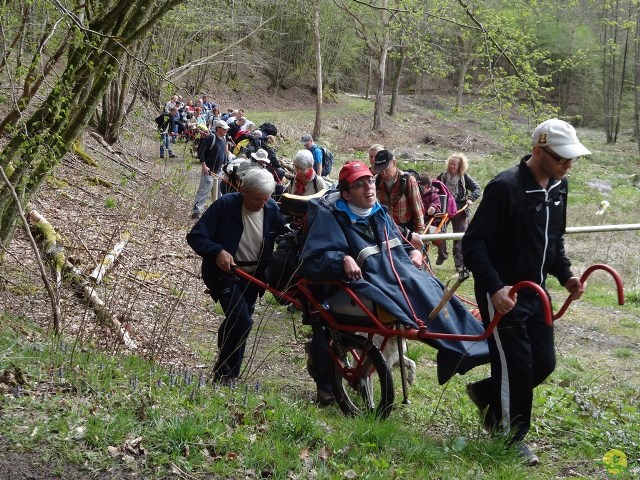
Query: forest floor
x=154, y=290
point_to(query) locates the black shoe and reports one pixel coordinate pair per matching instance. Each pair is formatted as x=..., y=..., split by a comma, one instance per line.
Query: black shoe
x=195, y=216
x=489, y=421
x=440, y=260
x=324, y=398
x=172, y=155
x=162, y=157
x=530, y=458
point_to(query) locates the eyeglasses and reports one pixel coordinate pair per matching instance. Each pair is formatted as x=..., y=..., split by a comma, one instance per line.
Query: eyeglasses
x=558, y=158
x=361, y=183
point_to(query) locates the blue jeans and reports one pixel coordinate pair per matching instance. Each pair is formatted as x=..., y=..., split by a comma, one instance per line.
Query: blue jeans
x=164, y=144
x=238, y=299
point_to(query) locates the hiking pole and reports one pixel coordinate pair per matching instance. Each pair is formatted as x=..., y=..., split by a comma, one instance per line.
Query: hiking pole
x=462, y=276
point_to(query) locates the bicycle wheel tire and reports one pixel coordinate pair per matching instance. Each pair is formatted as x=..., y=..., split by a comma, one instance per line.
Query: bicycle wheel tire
x=362, y=380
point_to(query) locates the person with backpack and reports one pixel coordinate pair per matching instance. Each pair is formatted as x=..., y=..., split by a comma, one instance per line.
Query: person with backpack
x=166, y=122
x=466, y=191
x=309, y=144
x=213, y=154
x=399, y=191
x=430, y=197
x=322, y=156
x=307, y=181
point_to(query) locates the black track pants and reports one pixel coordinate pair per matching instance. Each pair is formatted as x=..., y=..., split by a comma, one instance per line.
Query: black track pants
x=522, y=356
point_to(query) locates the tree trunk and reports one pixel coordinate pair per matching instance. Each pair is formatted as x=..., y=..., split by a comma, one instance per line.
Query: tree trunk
x=462, y=73
x=317, y=127
x=368, y=87
x=396, y=80
x=636, y=84
x=47, y=134
x=381, y=68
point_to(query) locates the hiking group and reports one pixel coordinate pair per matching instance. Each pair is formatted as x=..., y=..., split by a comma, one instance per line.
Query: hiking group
x=365, y=230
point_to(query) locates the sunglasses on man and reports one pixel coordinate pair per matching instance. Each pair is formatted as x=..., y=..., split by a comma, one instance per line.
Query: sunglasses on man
x=558, y=158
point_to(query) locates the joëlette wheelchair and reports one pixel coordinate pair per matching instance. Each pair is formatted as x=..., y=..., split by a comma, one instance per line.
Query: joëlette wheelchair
x=362, y=380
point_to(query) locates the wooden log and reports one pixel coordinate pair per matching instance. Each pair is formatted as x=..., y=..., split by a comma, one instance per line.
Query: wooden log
x=70, y=273
x=100, y=309
x=109, y=259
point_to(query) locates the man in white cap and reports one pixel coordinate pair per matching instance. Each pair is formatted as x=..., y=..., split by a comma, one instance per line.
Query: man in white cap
x=213, y=154
x=517, y=234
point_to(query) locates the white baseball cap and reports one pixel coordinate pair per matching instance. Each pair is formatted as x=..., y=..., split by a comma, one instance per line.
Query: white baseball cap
x=560, y=137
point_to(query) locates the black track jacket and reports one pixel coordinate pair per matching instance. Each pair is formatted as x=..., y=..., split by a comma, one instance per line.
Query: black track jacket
x=517, y=231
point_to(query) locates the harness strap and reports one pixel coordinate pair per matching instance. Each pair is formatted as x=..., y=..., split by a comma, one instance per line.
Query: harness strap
x=374, y=249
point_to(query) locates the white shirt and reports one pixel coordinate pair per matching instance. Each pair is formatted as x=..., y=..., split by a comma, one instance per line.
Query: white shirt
x=250, y=245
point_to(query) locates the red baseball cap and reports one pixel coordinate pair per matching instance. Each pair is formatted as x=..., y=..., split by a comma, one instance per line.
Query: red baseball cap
x=352, y=171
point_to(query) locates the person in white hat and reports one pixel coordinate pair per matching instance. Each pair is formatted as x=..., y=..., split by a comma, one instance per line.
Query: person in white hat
x=213, y=154
x=517, y=234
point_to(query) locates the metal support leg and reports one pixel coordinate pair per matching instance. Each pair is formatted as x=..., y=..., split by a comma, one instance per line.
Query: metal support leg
x=403, y=374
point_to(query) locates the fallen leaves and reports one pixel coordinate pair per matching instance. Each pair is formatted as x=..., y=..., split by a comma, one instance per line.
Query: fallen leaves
x=129, y=451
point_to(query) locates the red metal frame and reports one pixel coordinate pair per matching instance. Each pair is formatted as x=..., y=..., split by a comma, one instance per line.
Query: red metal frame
x=422, y=333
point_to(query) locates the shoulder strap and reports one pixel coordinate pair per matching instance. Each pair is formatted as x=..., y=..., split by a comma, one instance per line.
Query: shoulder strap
x=404, y=181
x=315, y=183
x=212, y=142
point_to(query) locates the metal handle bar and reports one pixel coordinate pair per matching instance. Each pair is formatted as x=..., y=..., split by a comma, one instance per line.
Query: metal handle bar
x=276, y=293
x=422, y=333
x=583, y=278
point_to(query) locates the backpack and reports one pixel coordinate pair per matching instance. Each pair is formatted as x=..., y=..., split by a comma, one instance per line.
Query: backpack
x=201, y=147
x=327, y=161
x=284, y=263
x=404, y=180
x=447, y=200
x=268, y=129
x=162, y=121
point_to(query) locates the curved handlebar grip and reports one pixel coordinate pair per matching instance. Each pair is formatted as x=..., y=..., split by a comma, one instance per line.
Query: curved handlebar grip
x=583, y=279
x=544, y=299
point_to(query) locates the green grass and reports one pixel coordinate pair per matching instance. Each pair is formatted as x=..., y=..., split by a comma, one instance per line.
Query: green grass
x=77, y=414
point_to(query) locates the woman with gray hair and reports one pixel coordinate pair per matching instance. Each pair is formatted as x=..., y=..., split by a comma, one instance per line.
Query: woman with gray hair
x=307, y=181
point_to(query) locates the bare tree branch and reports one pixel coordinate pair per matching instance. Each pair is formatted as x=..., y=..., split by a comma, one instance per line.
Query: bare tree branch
x=55, y=306
x=184, y=69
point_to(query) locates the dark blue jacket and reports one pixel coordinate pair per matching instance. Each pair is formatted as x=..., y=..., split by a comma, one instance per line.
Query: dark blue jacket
x=220, y=228
x=517, y=232
x=386, y=273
